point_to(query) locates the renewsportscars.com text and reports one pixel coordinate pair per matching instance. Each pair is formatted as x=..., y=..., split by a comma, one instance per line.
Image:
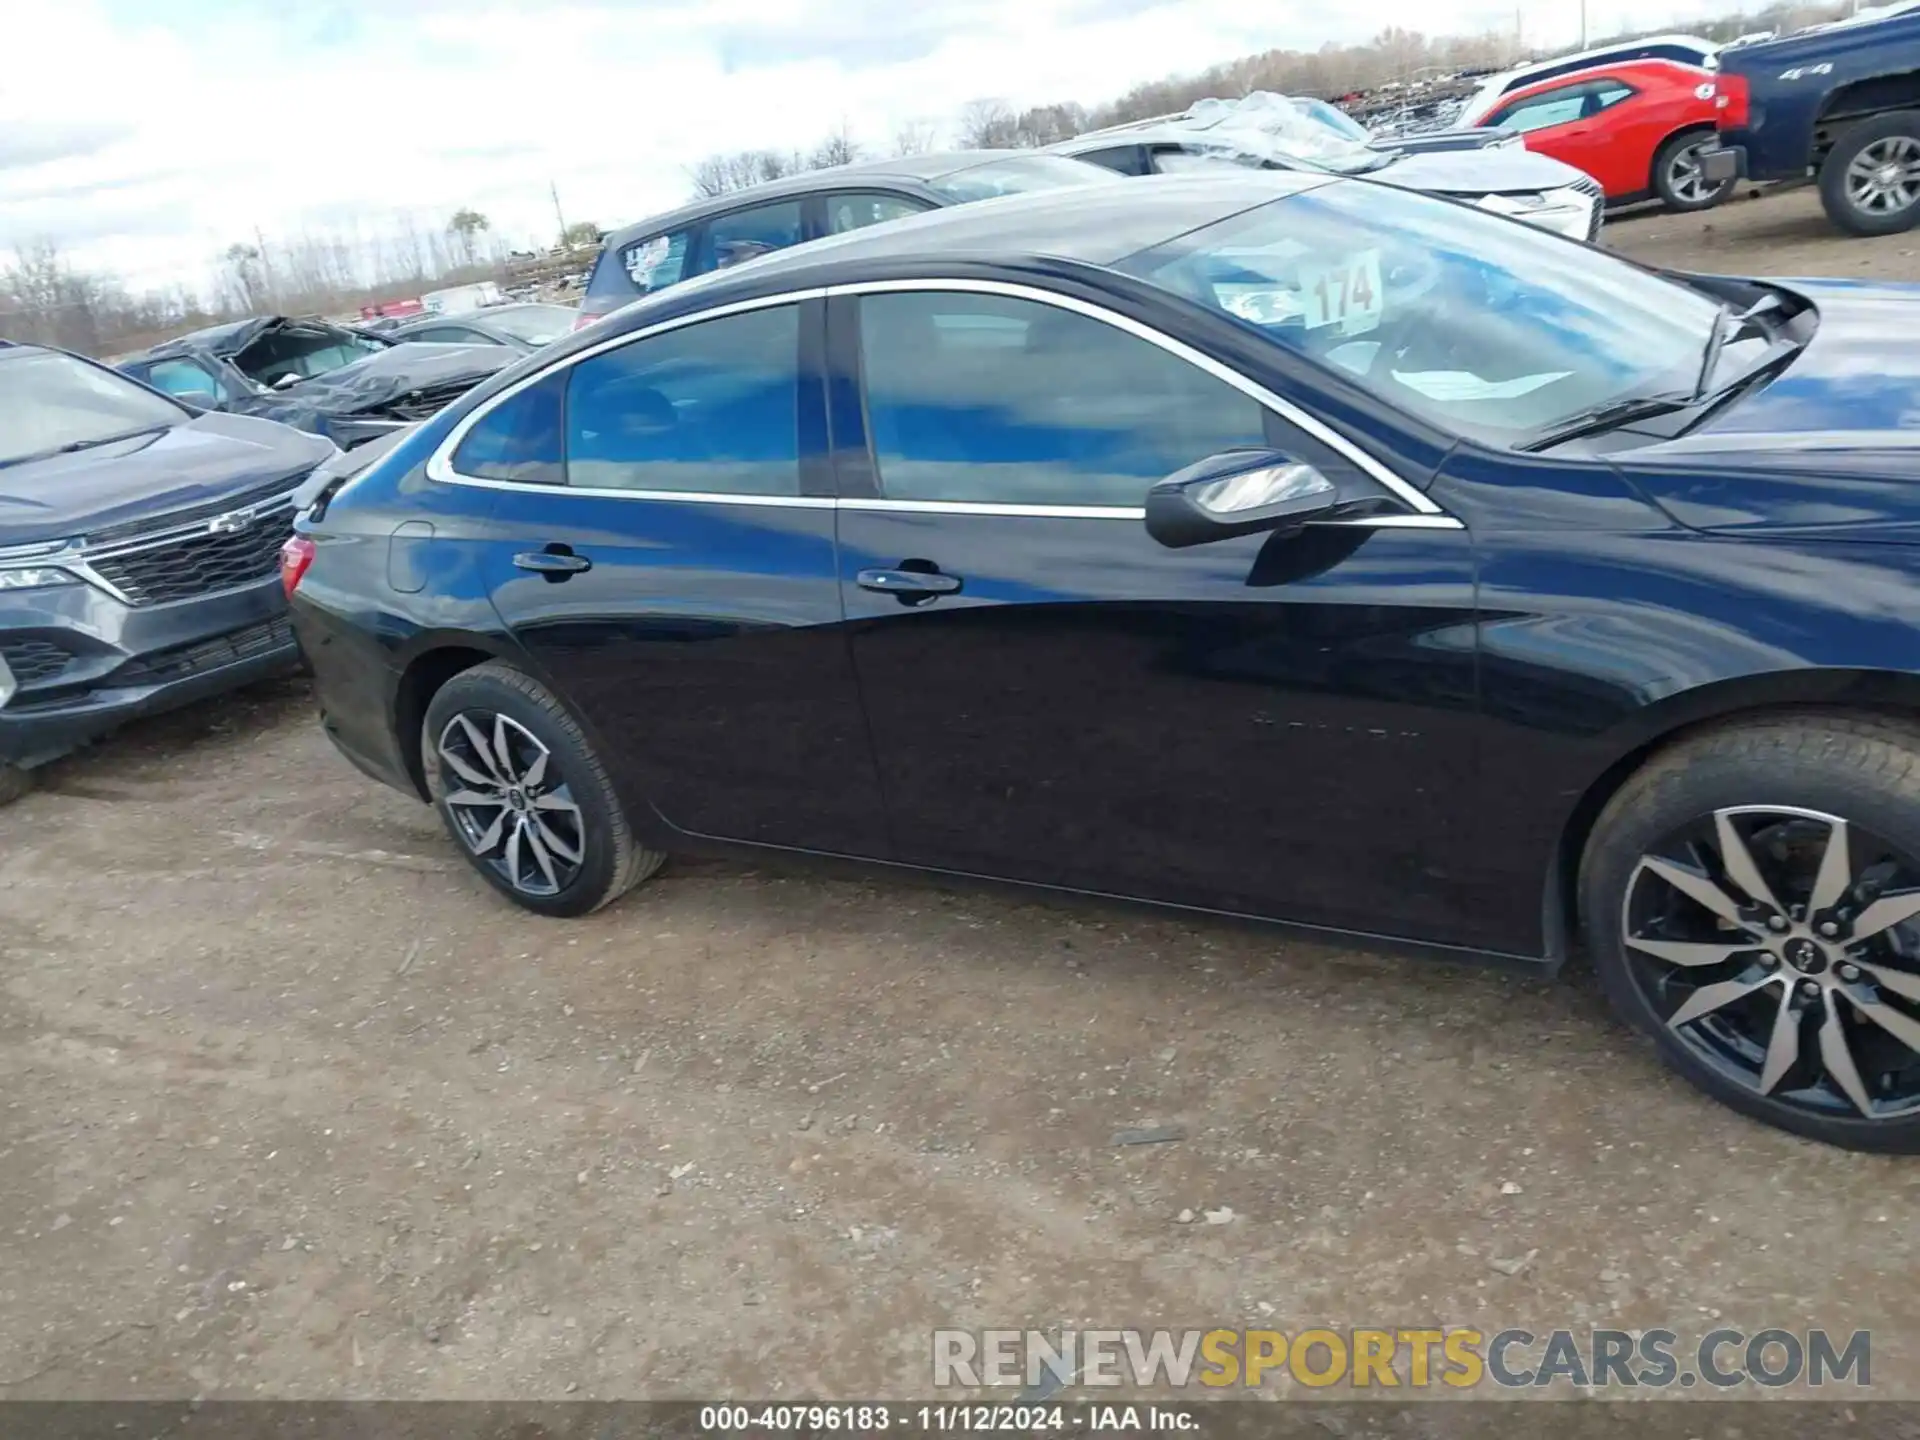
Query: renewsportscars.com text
x=1458, y=1358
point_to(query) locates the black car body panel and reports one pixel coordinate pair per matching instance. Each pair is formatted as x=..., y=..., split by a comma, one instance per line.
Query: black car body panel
x=173, y=542
x=349, y=405
x=1399, y=731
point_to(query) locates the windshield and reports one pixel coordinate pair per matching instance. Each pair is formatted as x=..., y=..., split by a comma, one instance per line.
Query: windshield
x=1483, y=325
x=535, y=324
x=1267, y=128
x=50, y=402
x=288, y=354
x=1017, y=175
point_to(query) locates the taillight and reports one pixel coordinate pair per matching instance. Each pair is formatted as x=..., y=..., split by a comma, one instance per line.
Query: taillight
x=583, y=319
x=296, y=556
x=1732, y=102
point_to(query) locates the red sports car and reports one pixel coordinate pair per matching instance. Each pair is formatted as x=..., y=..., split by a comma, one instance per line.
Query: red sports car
x=1638, y=128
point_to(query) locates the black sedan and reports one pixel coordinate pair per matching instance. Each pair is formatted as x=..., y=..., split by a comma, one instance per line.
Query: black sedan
x=139, y=553
x=524, y=328
x=1273, y=545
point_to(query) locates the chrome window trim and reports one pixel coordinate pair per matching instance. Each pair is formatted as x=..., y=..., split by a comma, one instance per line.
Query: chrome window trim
x=1425, y=514
x=1395, y=486
x=440, y=463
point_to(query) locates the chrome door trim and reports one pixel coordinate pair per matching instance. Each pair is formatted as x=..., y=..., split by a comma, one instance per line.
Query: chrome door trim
x=1425, y=513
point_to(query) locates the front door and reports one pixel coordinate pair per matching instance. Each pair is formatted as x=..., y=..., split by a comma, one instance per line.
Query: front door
x=657, y=554
x=1264, y=725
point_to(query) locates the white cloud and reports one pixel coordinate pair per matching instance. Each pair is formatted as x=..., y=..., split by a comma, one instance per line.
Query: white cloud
x=163, y=133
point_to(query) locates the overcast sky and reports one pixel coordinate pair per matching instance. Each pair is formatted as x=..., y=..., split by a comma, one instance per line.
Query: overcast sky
x=146, y=135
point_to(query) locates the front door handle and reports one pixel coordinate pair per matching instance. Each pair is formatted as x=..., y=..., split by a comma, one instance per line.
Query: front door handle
x=911, y=586
x=556, y=562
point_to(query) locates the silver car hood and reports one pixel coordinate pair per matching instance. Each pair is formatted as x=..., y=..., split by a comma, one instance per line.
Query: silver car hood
x=1504, y=171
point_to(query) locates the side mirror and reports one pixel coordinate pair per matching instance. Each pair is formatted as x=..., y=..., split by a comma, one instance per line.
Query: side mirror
x=1238, y=492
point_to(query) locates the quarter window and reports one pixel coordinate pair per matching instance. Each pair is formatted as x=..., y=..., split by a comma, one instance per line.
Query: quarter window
x=184, y=378
x=518, y=439
x=990, y=399
x=656, y=262
x=710, y=407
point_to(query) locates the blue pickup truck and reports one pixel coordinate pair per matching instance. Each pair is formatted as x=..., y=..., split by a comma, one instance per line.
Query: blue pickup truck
x=1841, y=104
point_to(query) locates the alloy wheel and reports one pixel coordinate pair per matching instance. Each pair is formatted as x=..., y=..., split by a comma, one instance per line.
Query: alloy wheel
x=1782, y=947
x=510, y=806
x=1884, y=178
x=1687, y=177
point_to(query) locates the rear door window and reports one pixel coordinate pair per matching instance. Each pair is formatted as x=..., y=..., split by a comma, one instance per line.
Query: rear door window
x=709, y=408
x=743, y=234
x=849, y=211
x=183, y=379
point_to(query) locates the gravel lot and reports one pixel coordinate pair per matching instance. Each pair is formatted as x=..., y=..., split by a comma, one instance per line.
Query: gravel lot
x=294, y=1106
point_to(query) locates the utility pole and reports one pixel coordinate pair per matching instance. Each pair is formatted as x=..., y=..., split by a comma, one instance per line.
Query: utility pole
x=554, y=188
x=1583, y=24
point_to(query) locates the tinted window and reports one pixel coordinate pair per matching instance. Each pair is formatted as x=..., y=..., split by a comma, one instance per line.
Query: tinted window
x=744, y=234
x=709, y=407
x=1122, y=159
x=518, y=439
x=984, y=398
x=1561, y=107
x=183, y=378
x=1017, y=175
x=856, y=212
x=446, y=335
x=654, y=263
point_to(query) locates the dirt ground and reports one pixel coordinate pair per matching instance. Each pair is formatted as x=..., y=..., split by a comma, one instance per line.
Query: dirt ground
x=294, y=1106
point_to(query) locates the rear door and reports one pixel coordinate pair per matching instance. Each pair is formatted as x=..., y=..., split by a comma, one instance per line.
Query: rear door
x=663, y=548
x=1265, y=726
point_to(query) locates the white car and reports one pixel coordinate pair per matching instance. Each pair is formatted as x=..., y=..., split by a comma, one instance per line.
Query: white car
x=1277, y=132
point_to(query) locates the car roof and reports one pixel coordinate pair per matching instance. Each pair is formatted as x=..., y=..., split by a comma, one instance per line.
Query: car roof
x=1674, y=72
x=1097, y=226
x=916, y=168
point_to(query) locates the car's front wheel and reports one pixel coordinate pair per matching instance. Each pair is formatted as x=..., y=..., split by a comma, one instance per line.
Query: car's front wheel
x=1751, y=900
x=1870, y=180
x=525, y=797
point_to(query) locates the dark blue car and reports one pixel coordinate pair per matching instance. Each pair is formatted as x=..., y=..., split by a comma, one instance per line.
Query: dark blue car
x=139, y=552
x=1272, y=545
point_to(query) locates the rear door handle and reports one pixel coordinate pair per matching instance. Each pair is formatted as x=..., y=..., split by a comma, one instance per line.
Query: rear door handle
x=909, y=584
x=555, y=563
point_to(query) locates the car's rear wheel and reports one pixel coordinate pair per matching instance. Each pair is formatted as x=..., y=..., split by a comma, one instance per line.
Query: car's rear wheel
x=1870, y=180
x=1751, y=900
x=1680, y=180
x=525, y=797
x=14, y=782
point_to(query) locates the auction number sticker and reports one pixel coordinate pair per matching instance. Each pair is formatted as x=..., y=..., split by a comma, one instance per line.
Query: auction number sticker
x=1349, y=295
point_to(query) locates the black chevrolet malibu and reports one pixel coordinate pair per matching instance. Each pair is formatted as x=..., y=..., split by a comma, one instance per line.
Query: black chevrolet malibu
x=1268, y=545
x=139, y=552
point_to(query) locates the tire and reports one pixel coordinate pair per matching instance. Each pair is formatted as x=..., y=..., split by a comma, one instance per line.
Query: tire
x=569, y=802
x=1894, y=139
x=1777, y=772
x=14, y=783
x=1678, y=190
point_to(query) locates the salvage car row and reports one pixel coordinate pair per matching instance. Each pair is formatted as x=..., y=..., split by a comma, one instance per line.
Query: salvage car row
x=1309, y=547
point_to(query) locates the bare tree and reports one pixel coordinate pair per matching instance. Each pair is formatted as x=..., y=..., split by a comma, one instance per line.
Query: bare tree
x=915, y=137
x=988, y=125
x=837, y=149
x=242, y=280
